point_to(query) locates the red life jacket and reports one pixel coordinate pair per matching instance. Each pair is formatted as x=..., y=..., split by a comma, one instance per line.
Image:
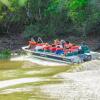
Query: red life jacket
x=46, y=48
x=53, y=49
x=39, y=44
x=59, y=48
x=75, y=47
x=68, y=45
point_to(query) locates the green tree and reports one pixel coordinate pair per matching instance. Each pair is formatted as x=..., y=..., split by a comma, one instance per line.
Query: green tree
x=49, y=17
x=10, y=12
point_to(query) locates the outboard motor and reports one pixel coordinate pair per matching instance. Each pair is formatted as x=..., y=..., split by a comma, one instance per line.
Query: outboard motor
x=85, y=57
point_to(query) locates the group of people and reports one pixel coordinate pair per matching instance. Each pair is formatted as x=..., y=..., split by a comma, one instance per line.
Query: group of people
x=57, y=47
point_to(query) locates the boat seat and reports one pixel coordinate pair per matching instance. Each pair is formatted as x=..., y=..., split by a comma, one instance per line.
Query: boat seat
x=72, y=53
x=69, y=54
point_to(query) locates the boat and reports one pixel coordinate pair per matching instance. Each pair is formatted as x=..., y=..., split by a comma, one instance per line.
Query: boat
x=71, y=57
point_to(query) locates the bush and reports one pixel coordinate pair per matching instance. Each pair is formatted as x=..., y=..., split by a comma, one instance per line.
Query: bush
x=5, y=54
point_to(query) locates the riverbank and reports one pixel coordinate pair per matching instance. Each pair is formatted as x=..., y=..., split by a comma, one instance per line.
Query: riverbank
x=14, y=42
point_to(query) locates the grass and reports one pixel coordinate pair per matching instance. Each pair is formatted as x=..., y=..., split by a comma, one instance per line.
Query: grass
x=5, y=54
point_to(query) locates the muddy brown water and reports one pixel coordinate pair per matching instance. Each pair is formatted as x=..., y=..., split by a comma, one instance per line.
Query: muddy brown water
x=29, y=81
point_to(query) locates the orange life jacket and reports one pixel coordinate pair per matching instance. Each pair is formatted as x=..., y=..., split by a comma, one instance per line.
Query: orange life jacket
x=32, y=43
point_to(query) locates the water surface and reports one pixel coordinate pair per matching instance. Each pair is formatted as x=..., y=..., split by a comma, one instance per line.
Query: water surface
x=24, y=80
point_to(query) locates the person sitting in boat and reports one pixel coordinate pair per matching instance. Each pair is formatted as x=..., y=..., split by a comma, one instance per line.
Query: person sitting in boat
x=39, y=46
x=56, y=42
x=32, y=44
x=70, y=48
x=35, y=42
x=42, y=46
x=53, y=48
x=59, y=43
x=84, y=48
x=74, y=48
x=59, y=51
x=62, y=42
x=46, y=47
x=67, y=45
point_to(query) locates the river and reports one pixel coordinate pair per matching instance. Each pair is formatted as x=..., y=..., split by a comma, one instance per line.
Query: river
x=26, y=80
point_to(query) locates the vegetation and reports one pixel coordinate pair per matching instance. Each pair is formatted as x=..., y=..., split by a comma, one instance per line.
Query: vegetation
x=5, y=54
x=48, y=18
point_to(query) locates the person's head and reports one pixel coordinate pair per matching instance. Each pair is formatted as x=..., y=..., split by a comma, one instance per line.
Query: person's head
x=46, y=44
x=56, y=40
x=83, y=43
x=73, y=45
x=53, y=45
x=67, y=42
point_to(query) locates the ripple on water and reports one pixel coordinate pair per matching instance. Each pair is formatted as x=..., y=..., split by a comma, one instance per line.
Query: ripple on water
x=10, y=73
x=83, y=85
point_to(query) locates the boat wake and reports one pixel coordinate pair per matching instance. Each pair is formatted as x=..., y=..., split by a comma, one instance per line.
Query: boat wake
x=83, y=84
x=12, y=82
x=37, y=61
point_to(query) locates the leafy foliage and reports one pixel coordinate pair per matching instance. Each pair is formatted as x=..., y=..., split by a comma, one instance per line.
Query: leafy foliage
x=49, y=17
x=5, y=54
